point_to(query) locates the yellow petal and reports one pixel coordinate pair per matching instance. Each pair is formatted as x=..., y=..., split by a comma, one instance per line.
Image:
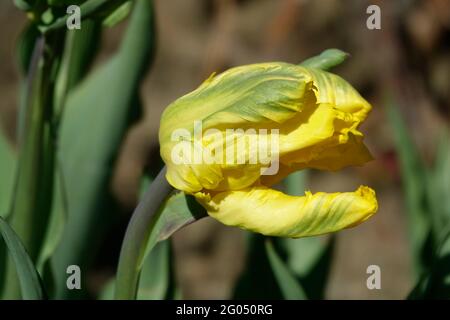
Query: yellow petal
x=270, y=212
x=335, y=91
x=315, y=112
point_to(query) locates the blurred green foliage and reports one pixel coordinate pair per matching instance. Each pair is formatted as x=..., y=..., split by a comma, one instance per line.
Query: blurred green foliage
x=427, y=201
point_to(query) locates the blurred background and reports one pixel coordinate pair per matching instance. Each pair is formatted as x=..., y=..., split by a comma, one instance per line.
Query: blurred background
x=408, y=59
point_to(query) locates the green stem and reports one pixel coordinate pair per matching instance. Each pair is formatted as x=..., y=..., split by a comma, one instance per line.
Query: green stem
x=136, y=236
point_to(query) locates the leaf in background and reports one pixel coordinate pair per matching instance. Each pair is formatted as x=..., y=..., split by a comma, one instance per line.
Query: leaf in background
x=8, y=161
x=79, y=52
x=414, y=180
x=309, y=258
x=438, y=188
x=289, y=285
x=30, y=282
x=25, y=46
x=24, y=5
x=435, y=283
x=257, y=280
x=33, y=186
x=94, y=122
x=118, y=14
x=157, y=276
x=80, y=48
x=328, y=59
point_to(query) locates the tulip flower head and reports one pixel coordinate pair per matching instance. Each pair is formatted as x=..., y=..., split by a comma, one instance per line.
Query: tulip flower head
x=242, y=131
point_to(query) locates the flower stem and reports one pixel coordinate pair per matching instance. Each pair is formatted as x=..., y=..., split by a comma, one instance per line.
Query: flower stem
x=136, y=236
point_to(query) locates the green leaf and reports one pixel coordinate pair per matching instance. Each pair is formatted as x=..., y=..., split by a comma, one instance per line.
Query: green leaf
x=257, y=280
x=327, y=60
x=414, y=180
x=30, y=282
x=25, y=46
x=33, y=185
x=435, y=283
x=289, y=285
x=80, y=50
x=56, y=223
x=118, y=14
x=438, y=187
x=24, y=5
x=8, y=161
x=94, y=122
x=157, y=276
x=295, y=183
x=180, y=210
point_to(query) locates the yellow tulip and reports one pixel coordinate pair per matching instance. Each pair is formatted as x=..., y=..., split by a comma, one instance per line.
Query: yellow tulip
x=309, y=118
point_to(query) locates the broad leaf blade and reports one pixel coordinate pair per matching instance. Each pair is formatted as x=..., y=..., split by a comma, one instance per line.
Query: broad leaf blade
x=157, y=275
x=94, y=121
x=30, y=282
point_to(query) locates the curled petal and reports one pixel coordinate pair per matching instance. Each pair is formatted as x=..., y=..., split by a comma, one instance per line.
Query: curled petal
x=273, y=213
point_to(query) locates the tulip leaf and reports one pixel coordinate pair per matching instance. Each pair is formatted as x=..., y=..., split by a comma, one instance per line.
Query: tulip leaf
x=439, y=185
x=25, y=46
x=327, y=60
x=30, y=282
x=157, y=279
x=289, y=285
x=118, y=14
x=257, y=280
x=414, y=179
x=95, y=119
x=435, y=283
x=7, y=173
x=8, y=161
x=266, y=274
x=180, y=210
